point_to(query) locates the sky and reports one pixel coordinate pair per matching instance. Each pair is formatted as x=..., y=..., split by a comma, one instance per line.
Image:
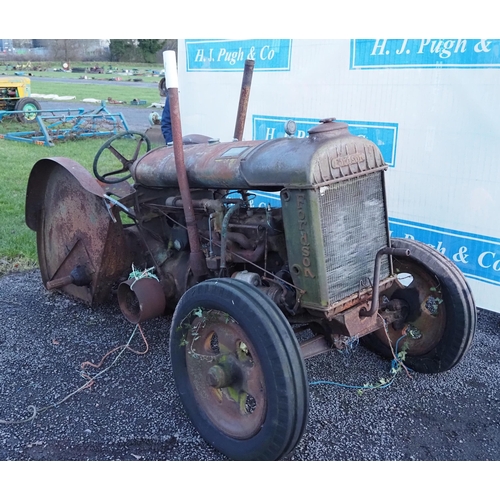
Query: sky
x=260, y=19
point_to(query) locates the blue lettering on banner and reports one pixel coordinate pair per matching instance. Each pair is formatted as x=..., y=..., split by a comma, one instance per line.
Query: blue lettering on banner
x=477, y=256
x=230, y=55
x=425, y=53
x=384, y=135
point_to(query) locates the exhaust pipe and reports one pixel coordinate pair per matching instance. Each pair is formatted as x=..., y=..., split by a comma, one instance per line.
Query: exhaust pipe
x=244, y=96
x=197, y=257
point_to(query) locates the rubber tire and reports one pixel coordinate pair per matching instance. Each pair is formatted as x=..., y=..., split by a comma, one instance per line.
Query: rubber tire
x=105, y=146
x=31, y=103
x=282, y=365
x=461, y=316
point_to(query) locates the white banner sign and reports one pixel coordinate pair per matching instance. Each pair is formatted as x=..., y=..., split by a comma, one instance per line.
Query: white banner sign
x=431, y=106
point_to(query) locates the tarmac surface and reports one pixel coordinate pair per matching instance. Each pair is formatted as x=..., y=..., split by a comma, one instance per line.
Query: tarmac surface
x=132, y=411
x=136, y=117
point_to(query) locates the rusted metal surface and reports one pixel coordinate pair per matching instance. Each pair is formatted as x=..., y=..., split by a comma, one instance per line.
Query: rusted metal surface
x=315, y=257
x=426, y=323
x=141, y=299
x=321, y=159
x=244, y=97
x=398, y=252
x=197, y=257
x=78, y=276
x=196, y=139
x=155, y=136
x=227, y=379
x=39, y=177
x=74, y=229
x=359, y=298
x=357, y=325
x=314, y=346
x=206, y=166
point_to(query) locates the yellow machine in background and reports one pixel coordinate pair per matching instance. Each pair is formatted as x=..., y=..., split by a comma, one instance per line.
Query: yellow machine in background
x=15, y=92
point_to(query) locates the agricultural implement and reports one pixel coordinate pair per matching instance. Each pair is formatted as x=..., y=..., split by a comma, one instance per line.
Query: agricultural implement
x=243, y=281
x=48, y=126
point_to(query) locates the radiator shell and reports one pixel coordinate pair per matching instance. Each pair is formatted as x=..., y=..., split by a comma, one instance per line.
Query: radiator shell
x=333, y=233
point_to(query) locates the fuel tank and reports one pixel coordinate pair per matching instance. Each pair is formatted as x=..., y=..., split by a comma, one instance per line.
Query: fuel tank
x=329, y=154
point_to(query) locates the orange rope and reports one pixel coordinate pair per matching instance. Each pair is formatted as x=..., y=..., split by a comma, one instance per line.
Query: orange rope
x=88, y=363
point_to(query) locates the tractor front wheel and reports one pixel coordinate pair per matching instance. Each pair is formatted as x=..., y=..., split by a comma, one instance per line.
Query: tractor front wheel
x=238, y=370
x=440, y=318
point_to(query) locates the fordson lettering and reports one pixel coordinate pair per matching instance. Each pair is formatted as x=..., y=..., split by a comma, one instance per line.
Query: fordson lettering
x=344, y=161
x=304, y=237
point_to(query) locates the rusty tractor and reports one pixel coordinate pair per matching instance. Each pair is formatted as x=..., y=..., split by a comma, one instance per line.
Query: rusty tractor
x=254, y=291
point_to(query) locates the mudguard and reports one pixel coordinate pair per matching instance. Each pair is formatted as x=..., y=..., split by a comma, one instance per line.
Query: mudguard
x=66, y=207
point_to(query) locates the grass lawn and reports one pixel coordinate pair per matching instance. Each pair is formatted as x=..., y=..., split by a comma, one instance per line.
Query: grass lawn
x=82, y=88
x=86, y=89
x=17, y=241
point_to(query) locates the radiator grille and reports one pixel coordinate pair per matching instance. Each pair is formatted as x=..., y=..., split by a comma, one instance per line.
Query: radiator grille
x=353, y=223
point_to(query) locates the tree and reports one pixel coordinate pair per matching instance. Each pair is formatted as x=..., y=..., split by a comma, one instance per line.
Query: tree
x=141, y=50
x=149, y=48
x=122, y=50
x=66, y=50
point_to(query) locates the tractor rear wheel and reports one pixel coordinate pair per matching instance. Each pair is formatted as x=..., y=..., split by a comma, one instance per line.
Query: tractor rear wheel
x=238, y=370
x=440, y=312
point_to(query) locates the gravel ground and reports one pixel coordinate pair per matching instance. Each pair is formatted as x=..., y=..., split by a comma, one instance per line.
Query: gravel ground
x=132, y=412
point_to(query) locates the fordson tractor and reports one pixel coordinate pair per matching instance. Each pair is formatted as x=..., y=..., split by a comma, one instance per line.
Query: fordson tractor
x=243, y=282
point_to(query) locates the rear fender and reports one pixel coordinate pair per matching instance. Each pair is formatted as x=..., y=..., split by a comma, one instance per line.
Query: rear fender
x=37, y=184
x=65, y=206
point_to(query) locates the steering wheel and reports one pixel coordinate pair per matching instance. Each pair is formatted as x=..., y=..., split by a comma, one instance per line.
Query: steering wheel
x=139, y=137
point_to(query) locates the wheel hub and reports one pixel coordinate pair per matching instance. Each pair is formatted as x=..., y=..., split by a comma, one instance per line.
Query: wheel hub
x=227, y=380
x=224, y=374
x=415, y=310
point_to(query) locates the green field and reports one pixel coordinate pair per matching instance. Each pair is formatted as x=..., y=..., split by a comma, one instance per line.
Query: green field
x=97, y=91
x=81, y=85
x=17, y=241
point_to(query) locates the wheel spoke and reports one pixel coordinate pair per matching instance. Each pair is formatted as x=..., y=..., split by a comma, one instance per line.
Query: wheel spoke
x=137, y=149
x=118, y=155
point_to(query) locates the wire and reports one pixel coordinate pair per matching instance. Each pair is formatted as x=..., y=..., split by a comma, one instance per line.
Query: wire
x=359, y=387
x=395, y=363
x=90, y=379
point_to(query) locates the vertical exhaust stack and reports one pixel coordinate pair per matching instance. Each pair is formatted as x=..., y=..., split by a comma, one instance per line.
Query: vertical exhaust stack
x=244, y=96
x=197, y=258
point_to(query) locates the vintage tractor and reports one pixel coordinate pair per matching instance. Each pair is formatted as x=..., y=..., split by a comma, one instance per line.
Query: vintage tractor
x=245, y=283
x=15, y=95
